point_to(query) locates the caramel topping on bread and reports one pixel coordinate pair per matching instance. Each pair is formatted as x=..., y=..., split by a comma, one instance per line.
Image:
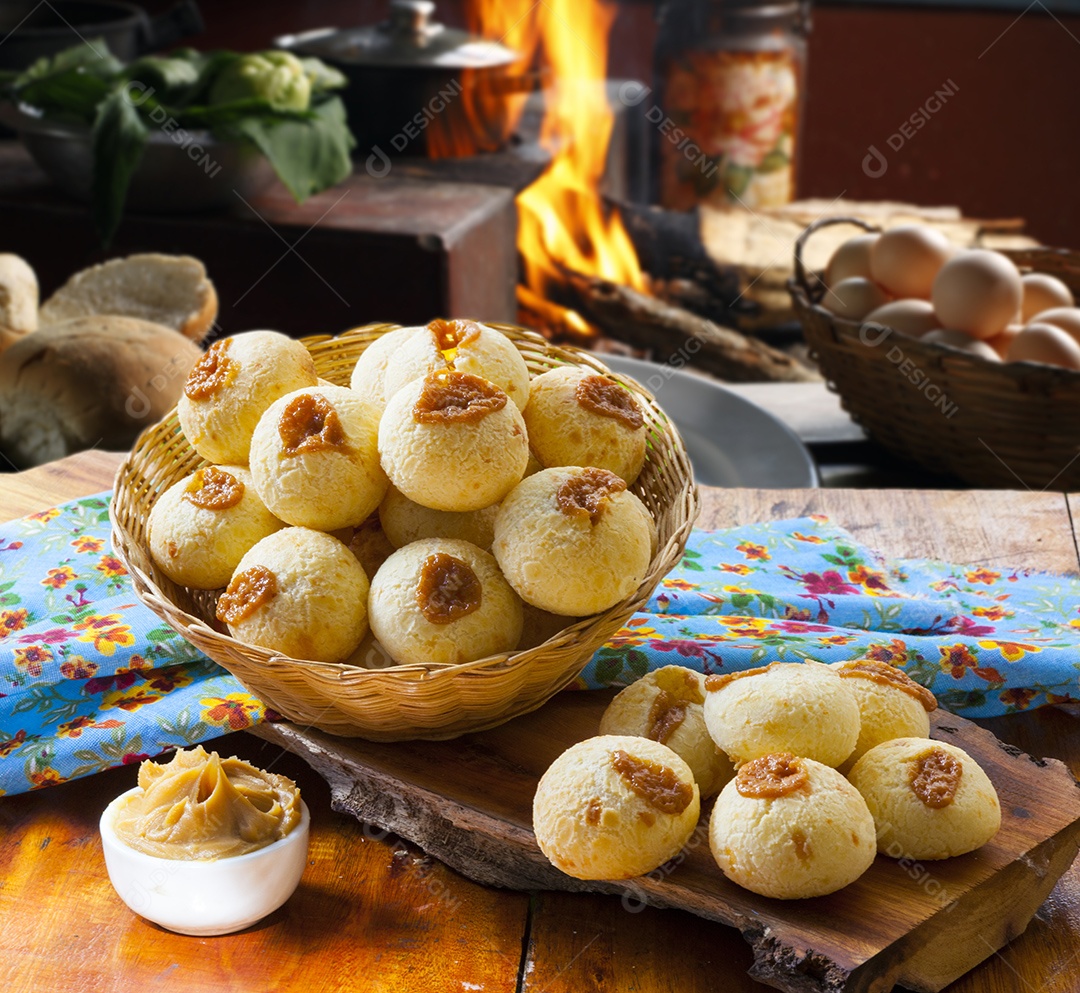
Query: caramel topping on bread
x=448, y=589
x=212, y=488
x=608, y=399
x=457, y=398
x=586, y=493
x=935, y=777
x=771, y=776
x=214, y=371
x=246, y=593
x=656, y=784
x=888, y=675
x=308, y=424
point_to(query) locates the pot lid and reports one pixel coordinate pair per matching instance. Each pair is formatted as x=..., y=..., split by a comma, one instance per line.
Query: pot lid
x=409, y=38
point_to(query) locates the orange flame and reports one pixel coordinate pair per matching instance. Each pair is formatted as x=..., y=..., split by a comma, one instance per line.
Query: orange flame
x=562, y=221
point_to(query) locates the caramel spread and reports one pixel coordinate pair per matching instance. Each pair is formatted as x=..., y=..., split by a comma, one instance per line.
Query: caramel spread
x=771, y=776
x=212, y=488
x=447, y=589
x=309, y=423
x=935, y=777
x=212, y=372
x=714, y=683
x=456, y=398
x=200, y=806
x=656, y=784
x=246, y=593
x=608, y=399
x=451, y=335
x=586, y=493
x=665, y=715
x=888, y=675
x=593, y=811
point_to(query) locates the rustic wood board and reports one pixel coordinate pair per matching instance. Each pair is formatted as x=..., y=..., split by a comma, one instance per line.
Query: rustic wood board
x=468, y=802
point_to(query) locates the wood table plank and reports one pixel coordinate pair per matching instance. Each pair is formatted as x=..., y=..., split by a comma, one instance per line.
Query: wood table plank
x=53, y=909
x=372, y=912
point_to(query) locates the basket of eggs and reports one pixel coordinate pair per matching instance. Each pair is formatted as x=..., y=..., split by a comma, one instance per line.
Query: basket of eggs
x=403, y=532
x=965, y=361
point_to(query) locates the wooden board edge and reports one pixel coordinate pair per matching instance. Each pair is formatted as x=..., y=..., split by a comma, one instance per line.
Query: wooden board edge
x=923, y=961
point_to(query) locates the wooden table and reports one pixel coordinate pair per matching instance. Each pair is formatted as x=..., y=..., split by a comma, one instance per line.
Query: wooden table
x=374, y=913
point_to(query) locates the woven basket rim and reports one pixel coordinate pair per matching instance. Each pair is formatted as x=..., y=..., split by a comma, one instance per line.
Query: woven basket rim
x=667, y=555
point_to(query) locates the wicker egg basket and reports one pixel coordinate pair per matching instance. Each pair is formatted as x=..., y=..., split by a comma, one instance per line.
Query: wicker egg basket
x=1013, y=425
x=414, y=701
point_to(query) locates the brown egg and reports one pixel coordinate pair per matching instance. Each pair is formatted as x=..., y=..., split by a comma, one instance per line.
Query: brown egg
x=1045, y=343
x=852, y=258
x=1003, y=339
x=1066, y=318
x=905, y=259
x=854, y=298
x=1042, y=292
x=912, y=317
x=977, y=291
x=958, y=339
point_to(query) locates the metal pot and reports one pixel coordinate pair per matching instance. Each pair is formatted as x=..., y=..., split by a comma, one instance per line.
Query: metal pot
x=31, y=29
x=413, y=82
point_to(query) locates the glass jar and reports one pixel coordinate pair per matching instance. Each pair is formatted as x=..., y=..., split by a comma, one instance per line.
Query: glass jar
x=730, y=78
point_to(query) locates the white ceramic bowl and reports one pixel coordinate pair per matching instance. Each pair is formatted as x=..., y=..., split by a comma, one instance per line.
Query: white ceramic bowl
x=205, y=898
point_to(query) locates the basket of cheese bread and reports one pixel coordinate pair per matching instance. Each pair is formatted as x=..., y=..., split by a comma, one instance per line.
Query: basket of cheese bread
x=403, y=532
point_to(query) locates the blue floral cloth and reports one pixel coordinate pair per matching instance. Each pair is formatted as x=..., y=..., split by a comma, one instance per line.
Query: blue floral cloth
x=986, y=641
x=90, y=679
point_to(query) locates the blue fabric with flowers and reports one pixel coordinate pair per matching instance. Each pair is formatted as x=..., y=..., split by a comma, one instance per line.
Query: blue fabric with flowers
x=986, y=641
x=90, y=679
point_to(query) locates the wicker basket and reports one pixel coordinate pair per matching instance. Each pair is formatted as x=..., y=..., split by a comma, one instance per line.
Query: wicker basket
x=415, y=701
x=1014, y=425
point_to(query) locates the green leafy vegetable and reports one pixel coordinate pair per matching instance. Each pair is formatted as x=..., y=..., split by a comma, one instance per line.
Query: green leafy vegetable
x=308, y=155
x=119, y=139
x=277, y=77
x=282, y=104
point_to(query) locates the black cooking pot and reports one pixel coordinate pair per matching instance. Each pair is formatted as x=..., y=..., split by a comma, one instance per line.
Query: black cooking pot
x=31, y=29
x=413, y=82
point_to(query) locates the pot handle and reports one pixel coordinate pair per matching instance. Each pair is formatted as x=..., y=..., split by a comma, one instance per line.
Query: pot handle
x=165, y=29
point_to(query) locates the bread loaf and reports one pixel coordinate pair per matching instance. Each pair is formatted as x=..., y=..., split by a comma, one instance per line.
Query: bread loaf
x=18, y=298
x=92, y=381
x=168, y=289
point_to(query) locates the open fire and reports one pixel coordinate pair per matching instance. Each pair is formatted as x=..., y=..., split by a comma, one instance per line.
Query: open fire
x=563, y=223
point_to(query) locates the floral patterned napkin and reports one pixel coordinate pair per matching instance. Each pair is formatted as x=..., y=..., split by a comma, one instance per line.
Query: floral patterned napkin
x=987, y=642
x=90, y=679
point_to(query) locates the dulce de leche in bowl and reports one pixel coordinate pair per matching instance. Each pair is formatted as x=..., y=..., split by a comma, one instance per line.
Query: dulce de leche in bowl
x=205, y=845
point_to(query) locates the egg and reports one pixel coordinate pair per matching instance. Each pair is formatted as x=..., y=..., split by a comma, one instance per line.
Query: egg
x=912, y=317
x=905, y=259
x=977, y=291
x=1003, y=339
x=1045, y=343
x=852, y=258
x=854, y=298
x=1066, y=318
x=1042, y=292
x=958, y=339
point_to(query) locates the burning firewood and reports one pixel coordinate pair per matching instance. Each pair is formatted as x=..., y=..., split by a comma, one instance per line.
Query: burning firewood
x=670, y=332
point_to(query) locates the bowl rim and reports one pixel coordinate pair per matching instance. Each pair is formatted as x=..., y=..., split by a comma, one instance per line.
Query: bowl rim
x=109, y=838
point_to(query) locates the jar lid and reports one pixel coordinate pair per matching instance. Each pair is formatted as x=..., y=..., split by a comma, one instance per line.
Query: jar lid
x=408, y=38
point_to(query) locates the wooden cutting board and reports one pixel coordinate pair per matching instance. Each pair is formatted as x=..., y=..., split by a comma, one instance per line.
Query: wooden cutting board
x=468, y=802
